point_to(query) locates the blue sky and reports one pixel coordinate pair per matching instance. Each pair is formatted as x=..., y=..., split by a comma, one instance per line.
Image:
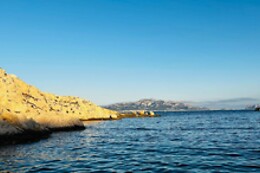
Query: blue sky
x=123, y=50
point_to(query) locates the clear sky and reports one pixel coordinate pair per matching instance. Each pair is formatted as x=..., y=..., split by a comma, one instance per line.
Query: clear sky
x=123, y=50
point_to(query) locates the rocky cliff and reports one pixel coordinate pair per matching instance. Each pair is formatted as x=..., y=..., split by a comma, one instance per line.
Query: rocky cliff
x=17, y=97
x=25, y=108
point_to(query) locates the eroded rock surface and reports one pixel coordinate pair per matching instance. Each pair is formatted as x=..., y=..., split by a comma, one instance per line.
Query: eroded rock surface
x=25, y=108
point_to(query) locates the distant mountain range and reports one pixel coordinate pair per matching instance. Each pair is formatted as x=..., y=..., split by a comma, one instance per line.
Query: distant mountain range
x=154, y=105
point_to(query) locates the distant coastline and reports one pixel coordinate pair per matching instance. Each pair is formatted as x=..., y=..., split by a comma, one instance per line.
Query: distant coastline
x=153, y=105
x=174, y=106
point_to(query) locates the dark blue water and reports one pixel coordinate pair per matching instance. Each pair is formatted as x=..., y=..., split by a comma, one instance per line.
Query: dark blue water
x=217, y=141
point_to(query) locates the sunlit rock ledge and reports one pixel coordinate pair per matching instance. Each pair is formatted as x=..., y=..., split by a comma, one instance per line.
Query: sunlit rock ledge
x=16, y=129
x=26, y=112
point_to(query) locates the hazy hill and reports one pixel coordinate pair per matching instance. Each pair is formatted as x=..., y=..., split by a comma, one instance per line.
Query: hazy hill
x=152, y=104
x=234, y=104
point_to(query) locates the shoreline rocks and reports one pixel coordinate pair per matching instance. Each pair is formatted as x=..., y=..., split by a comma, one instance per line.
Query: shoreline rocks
x=136, y=114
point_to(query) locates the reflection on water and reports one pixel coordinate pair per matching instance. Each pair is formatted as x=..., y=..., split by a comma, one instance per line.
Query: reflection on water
x=219, y=141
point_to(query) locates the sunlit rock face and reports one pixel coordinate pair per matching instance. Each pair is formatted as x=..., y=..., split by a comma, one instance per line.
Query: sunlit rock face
x=47, y=110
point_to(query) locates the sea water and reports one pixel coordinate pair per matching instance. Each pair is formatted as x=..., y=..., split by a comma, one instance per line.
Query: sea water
x=202, y=141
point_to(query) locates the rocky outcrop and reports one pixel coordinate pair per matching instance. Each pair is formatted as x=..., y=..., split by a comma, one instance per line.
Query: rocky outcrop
x=257, y=109
x=26, y=113
x=19, y=98
x=24, y=108
x=154, y=105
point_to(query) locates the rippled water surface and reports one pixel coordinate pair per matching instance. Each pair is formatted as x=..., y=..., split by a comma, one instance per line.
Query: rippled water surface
x=217, y=141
